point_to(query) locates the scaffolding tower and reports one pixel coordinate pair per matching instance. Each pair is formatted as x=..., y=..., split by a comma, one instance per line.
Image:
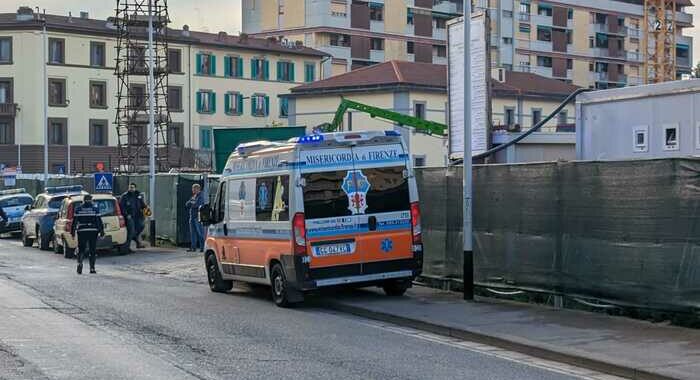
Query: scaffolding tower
x=132, y=71
x=659, y=46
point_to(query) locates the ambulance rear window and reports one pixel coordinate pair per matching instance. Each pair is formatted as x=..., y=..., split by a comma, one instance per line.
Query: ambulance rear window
x=375, y=190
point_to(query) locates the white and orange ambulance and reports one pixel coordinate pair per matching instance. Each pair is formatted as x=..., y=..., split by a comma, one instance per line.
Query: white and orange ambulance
x=317, y=211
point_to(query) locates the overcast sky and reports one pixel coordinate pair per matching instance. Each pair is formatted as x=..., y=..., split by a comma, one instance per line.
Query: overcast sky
x=211, y=15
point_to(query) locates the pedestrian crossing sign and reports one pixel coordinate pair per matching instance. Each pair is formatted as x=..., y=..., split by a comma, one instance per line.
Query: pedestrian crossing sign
x=103, y=182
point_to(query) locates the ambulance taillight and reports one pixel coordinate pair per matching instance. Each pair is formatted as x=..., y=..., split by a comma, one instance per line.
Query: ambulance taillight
x=415, y=226
x=299, y=234
x=69, y=223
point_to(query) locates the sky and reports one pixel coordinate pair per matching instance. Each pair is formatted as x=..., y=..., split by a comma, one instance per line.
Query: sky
x=215, y=15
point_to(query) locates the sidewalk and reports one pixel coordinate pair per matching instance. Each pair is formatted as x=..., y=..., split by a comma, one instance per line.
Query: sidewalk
x=615, y=345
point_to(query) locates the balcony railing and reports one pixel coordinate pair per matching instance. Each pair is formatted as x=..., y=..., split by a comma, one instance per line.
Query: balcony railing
x=605, y=52
x=8, y=109
x=524, y=17
x=605, y=77
x=604, y=28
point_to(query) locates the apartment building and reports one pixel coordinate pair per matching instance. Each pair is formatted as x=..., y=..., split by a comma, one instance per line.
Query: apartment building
x=357, y=33
x=590, y=43
x=215, y=81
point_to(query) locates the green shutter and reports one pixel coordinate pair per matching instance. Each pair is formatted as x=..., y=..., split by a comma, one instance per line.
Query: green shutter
x=291, y=72
x=212, y=101
x=267, y=105
x=239, y=98
x=279, y=70
x=253, y=103
x=199, y=64
x=239, y=65
x=266, y=70
x=227, y=103
x=253, y=68
x=199, y=102
x=227, y=66
x=212, y=64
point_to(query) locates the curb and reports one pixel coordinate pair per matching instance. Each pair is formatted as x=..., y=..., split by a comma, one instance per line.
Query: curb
x=527, y=348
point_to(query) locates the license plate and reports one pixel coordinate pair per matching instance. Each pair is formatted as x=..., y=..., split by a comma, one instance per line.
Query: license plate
x=333, y=249
x=13, y=220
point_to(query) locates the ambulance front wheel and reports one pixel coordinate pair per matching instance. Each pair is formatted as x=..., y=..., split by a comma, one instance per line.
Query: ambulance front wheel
x=396, y=288
x=216, y=282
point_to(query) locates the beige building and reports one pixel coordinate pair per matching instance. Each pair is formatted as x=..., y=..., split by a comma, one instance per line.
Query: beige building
x=420, y=89
x=216, y=81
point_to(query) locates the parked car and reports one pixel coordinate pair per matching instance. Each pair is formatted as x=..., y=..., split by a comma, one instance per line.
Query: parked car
x=12, y=206
x=37, y=222
x=112, y=218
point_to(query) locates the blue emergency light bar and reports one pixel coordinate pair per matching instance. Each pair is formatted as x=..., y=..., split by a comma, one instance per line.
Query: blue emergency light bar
x=64, y=189
x=13, y=191
x=392, y=133
x=309, y=139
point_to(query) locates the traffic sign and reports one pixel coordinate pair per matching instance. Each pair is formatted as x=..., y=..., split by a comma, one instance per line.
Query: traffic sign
x=100, y=166
x=103, y=182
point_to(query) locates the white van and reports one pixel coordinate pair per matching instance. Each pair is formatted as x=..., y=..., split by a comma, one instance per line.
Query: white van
x=317, y=211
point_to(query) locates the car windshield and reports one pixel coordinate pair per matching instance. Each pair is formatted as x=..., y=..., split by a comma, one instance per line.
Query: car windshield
x=13, y=202
x=107, y=207
x=55, y=202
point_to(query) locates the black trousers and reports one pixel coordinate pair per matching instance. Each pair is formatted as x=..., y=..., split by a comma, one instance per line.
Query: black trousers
x=87, y=246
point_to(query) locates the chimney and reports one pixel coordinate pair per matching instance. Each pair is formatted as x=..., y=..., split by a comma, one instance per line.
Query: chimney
x=299, y=44
x=221, y=36
x=186, y=30
x=499, y=74
x=243, y=38
x=271, y=40
x=70, y=17
x=25, y=14
x=84, y=15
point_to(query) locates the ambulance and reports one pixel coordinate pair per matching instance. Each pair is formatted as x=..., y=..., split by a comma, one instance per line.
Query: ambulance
x=318, y=211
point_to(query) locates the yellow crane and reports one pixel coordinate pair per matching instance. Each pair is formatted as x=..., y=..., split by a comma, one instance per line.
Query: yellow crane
x=659, y=43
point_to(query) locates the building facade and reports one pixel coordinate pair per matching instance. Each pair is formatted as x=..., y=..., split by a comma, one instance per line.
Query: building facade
x=357, y=33
x=215, y=81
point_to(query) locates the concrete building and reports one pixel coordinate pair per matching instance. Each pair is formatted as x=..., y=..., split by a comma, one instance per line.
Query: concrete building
x=357, y=33
x=420, y=89
x=244, y=76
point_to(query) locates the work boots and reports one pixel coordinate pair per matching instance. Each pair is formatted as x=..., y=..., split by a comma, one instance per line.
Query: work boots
x=80, y=268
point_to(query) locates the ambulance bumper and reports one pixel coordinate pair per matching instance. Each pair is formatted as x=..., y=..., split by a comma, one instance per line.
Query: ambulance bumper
x=364, y=278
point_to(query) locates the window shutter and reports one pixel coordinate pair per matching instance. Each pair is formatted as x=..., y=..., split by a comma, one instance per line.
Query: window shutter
x=253, y=68
x=267, y=105
x=199, y=63
x=239, y=99
x=253, y=104
x=291, y=72
x=279, y=70
x=212, y=102
x=239, y=65
x=212, y=64
x=227, y=103
x=199, y=102
x=227, y=66
x=266, y=70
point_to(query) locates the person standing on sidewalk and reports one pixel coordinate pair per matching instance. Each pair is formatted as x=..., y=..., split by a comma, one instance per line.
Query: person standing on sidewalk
x=196, y=228
x=133, y=206
x=87, y=223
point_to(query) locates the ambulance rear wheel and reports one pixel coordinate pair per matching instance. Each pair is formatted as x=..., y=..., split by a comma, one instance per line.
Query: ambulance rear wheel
x=216, y=282
x=26, y=240
x=396, y=288
x=44, y=240
x=279, y=286
x=68, y=252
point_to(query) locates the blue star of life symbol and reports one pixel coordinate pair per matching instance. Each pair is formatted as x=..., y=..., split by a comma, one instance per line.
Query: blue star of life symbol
x=387, y=245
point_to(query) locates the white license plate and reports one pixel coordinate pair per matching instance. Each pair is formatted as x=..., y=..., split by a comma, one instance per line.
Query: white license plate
x=13, y=220
x=335, y=249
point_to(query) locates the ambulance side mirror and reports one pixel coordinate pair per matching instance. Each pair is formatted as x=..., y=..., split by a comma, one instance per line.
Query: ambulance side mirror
x=205, y=215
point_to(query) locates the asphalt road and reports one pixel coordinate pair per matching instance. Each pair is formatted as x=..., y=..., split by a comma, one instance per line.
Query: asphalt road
x=150, y=315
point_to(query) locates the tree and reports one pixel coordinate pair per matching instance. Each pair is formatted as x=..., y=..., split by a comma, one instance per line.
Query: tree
x=696, y=70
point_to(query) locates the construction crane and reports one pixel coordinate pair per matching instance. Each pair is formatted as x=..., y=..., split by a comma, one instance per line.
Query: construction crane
x=659, y=44
x=420, y=125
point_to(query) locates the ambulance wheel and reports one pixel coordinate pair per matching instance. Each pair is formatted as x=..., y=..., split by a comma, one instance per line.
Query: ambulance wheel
x=280, y=294
x=68, y=252
x=396, y=288
x=26, y=241
x=43, y=240
x=57, y=248
x=216, y=282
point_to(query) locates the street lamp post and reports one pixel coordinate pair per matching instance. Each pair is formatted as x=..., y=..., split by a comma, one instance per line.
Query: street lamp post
x=151, y=127
x=468, y=254
x=45, y=79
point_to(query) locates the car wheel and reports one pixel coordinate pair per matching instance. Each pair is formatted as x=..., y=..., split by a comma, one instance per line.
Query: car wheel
x=278, y=280
x=216, y=282
x=124, y=249
x=26, y=240
x=68, y=252
x=43, y=240
x=57, y=248
x=396, y=288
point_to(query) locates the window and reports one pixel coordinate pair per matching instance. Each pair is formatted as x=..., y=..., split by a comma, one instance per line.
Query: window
x=57, y=92
x=97, y=54
x=137, y=134
x=569, y=64
x=5, y=91
x=525, y=8
x=536, y=116
x=205, y=138
x=544, y=33
x=376, y=44
x=174, y=60
x=440, y=50
x=176, y=134
x=174, y=99
x=419, y=110
x=509, y=116
x=562, y=118
x=260, y=105
x=641, y=134
x=57, y=50
x=7, y=133
x=206, y=64
x=309, y=72
x=544, y=10
x=284, y=107
x=137, y=96
x=507, y=13
x=671, y=137
x=272, y=199
x=98, y=132
x=233, y=103
x=418, y=161
x=259, y=69
x=409, y=16
x=58, y=131
x=285, y=71
x=376, y=12
x=98, y=94
x=5, y=49
x=233, y=67
x=544, y=61
x=570, y=14
x=206, y=101
x=524, y=28
x=339, y=40
x=440, y=23
x=137, y=59
x=601, y=40
x=410, y=47
x=507, y=41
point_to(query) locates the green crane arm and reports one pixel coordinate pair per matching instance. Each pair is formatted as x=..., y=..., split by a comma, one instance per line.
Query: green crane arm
x=421, y=125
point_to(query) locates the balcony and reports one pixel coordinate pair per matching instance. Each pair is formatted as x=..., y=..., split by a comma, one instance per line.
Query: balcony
x=634, y=32
x=410, y=30
x=604, y=28
x=440, y=34
x=634, y=56
x=376, y=55
x=683, y=62
x=605, y=53
x=445, y=6
x=524, y=17
x=684, y=18
x=536, y=45
x=376, y=26
x=8, y=109
x=605, y=77
x=337, y=51
x=634, y=81
x=439, y=60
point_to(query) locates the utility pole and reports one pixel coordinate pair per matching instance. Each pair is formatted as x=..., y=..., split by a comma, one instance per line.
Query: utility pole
x=468, y=256
x=151, y=128
x=45, y=79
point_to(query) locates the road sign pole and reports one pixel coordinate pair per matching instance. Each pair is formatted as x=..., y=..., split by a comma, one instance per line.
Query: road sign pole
x=151, y=129
x=468, y=256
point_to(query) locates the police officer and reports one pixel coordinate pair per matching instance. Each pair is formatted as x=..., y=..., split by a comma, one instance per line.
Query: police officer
x=88, y=223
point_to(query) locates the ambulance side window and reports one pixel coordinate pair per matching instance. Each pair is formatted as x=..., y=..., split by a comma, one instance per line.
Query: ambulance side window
x=272, y=199
x=221, y=205
x=240, y=200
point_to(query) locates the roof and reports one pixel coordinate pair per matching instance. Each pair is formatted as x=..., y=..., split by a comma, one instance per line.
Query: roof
x=395, y=74
x=8, y=21
x=670, y=88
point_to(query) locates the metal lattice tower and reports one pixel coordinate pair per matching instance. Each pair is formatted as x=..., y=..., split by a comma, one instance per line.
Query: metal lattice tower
x=132, y=71
x=659, y=41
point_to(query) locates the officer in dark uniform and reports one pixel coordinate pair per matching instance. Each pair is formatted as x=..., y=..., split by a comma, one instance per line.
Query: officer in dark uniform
x=88, y=223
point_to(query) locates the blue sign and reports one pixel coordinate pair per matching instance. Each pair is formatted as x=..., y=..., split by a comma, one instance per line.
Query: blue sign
x=103, y=182
x=387, y=245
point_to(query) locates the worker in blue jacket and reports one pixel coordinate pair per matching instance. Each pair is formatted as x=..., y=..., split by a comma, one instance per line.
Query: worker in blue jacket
x=87, y=223
x=196, y=228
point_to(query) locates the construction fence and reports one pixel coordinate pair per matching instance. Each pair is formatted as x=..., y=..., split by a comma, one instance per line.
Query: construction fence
x=625, y=232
